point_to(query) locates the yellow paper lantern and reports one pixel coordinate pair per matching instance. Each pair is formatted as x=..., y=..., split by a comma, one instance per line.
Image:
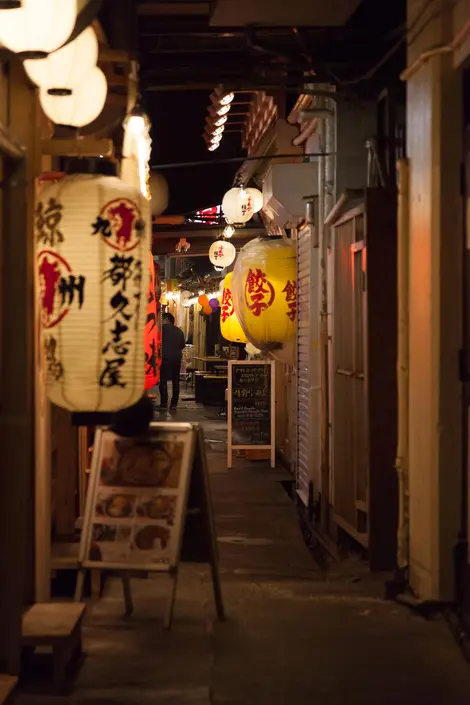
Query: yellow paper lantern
x=230, y=327
x=265, y=292
x=92, y=264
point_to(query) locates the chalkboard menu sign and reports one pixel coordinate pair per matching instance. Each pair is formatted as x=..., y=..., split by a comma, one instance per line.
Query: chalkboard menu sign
x=250, y=406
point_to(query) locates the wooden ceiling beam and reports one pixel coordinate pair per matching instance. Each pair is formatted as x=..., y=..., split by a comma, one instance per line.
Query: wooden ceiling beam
x=168, y=9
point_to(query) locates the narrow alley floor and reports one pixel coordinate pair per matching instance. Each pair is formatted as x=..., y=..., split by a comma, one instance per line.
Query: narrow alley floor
x=292, y=634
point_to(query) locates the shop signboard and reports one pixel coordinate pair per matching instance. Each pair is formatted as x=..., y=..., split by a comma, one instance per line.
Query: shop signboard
x=140, y=495
x=251, y=418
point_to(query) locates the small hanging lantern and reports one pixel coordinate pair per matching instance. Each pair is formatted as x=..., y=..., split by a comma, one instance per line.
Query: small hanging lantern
x=230, y=327
x=265, y=292
x=222, y=253
x=92, y=259
x=38, y=27
x=81, y=107
x=65, y=68
x=237, y=205
x=153, y=351
x=182, y=245
x=257, y=197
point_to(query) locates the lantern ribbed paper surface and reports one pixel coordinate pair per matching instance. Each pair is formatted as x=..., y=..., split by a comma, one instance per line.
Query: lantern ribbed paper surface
x=238, y=205
x=229, y=324
x=83, y=106
x=66, y=67
x=222, y=253
x=92, y=258
x=153, y=352
x=38, y=25
x=264, y=288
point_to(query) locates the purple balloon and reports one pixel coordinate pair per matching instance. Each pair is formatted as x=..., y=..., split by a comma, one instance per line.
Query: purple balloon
x=214, y=304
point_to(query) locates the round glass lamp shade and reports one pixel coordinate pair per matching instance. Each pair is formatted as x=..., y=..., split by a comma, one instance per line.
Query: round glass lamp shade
x=222, y=253
x=257, y=197
x=238, y=206
x=92, y=254
x=83, y=106
x=65, y=68
x=38, y=27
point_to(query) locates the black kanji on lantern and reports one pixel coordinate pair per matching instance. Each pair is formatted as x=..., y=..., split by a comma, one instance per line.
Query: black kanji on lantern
x=111, y=375
x=151, y=360
x=121, y=270
x=69, y=286
x=102, y=226
x=47, y=221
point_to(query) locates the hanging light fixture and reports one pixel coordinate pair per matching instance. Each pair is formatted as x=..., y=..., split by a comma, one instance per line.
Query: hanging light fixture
x=92, y=260
x=237, y=205
x=222, y=254
x=82, y=107
x=229, y=231
x=257, y=198
x=64, y=69
x=37, y=27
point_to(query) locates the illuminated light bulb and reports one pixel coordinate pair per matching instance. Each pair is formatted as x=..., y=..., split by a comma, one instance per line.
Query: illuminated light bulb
x=223, y=110
x=212, y=147
x=218, y=130
x=221, y=121
x=229, y=230
x=227, y=99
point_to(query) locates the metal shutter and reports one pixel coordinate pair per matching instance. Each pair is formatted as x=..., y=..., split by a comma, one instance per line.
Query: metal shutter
x=308, y=368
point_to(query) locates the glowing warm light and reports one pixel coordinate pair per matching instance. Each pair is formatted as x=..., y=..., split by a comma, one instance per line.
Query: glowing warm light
x=227, y=99
x=82, y=107
x=221, y=121
x=65, y=68
x=212, y=147
x=223, y=110
x=230, y=327
x=237, y=205
x=218, y=130
x=38, y=27
x=229, y=231
x=222, y=254
x=257, y=197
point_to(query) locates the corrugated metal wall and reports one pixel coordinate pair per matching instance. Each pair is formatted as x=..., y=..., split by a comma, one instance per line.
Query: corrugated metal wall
x=308, y=368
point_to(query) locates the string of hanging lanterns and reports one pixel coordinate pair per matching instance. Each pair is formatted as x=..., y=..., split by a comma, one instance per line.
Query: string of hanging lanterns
x=217, y=118
x=72, y=89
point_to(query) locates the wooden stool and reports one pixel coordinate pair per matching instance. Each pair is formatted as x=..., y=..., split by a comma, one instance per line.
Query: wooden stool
x=58, y=625
x=7, y=685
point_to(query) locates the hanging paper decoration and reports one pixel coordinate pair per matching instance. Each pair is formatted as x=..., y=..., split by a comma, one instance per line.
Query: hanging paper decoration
x=80, y=108
x=238, y=206
x=182, y=245
x=153, y=357
x=214, y=304
x=38, y=27
x=92, y=259
x=257, y=199
x=159, y=193
x=66, y=67
x=222, y=253
x=230, y=327
x=265, y=292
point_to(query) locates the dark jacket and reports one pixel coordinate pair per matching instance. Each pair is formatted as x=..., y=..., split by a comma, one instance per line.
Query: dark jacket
x=173, y=342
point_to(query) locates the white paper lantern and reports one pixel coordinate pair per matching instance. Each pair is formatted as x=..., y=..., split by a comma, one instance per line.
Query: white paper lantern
x=65, y=68
x=92, y=259
x=257, y=198
x=237, y=205
x=185, y=298
x=38, y=27
x=222, y=254
x=83, y=106
x=159, y=193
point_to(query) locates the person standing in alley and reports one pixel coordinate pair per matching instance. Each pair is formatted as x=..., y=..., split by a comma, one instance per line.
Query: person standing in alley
x=172, y=351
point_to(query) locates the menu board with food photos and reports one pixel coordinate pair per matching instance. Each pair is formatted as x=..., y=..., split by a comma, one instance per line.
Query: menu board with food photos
x=251, y=420
x=137, y=498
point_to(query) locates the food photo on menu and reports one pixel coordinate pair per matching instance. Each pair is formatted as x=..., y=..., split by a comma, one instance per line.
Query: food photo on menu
x=126, y=464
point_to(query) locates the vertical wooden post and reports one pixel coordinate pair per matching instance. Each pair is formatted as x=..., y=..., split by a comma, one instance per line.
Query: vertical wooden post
x=17, y=440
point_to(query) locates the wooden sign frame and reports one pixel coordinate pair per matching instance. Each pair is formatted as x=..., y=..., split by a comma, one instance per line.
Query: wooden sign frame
x=272, y=446
x=192, y=486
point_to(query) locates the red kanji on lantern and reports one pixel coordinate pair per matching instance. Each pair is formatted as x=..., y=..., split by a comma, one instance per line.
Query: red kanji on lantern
x=219, y=252
x=227, y=305
x=259, y=292
x=290, y=290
